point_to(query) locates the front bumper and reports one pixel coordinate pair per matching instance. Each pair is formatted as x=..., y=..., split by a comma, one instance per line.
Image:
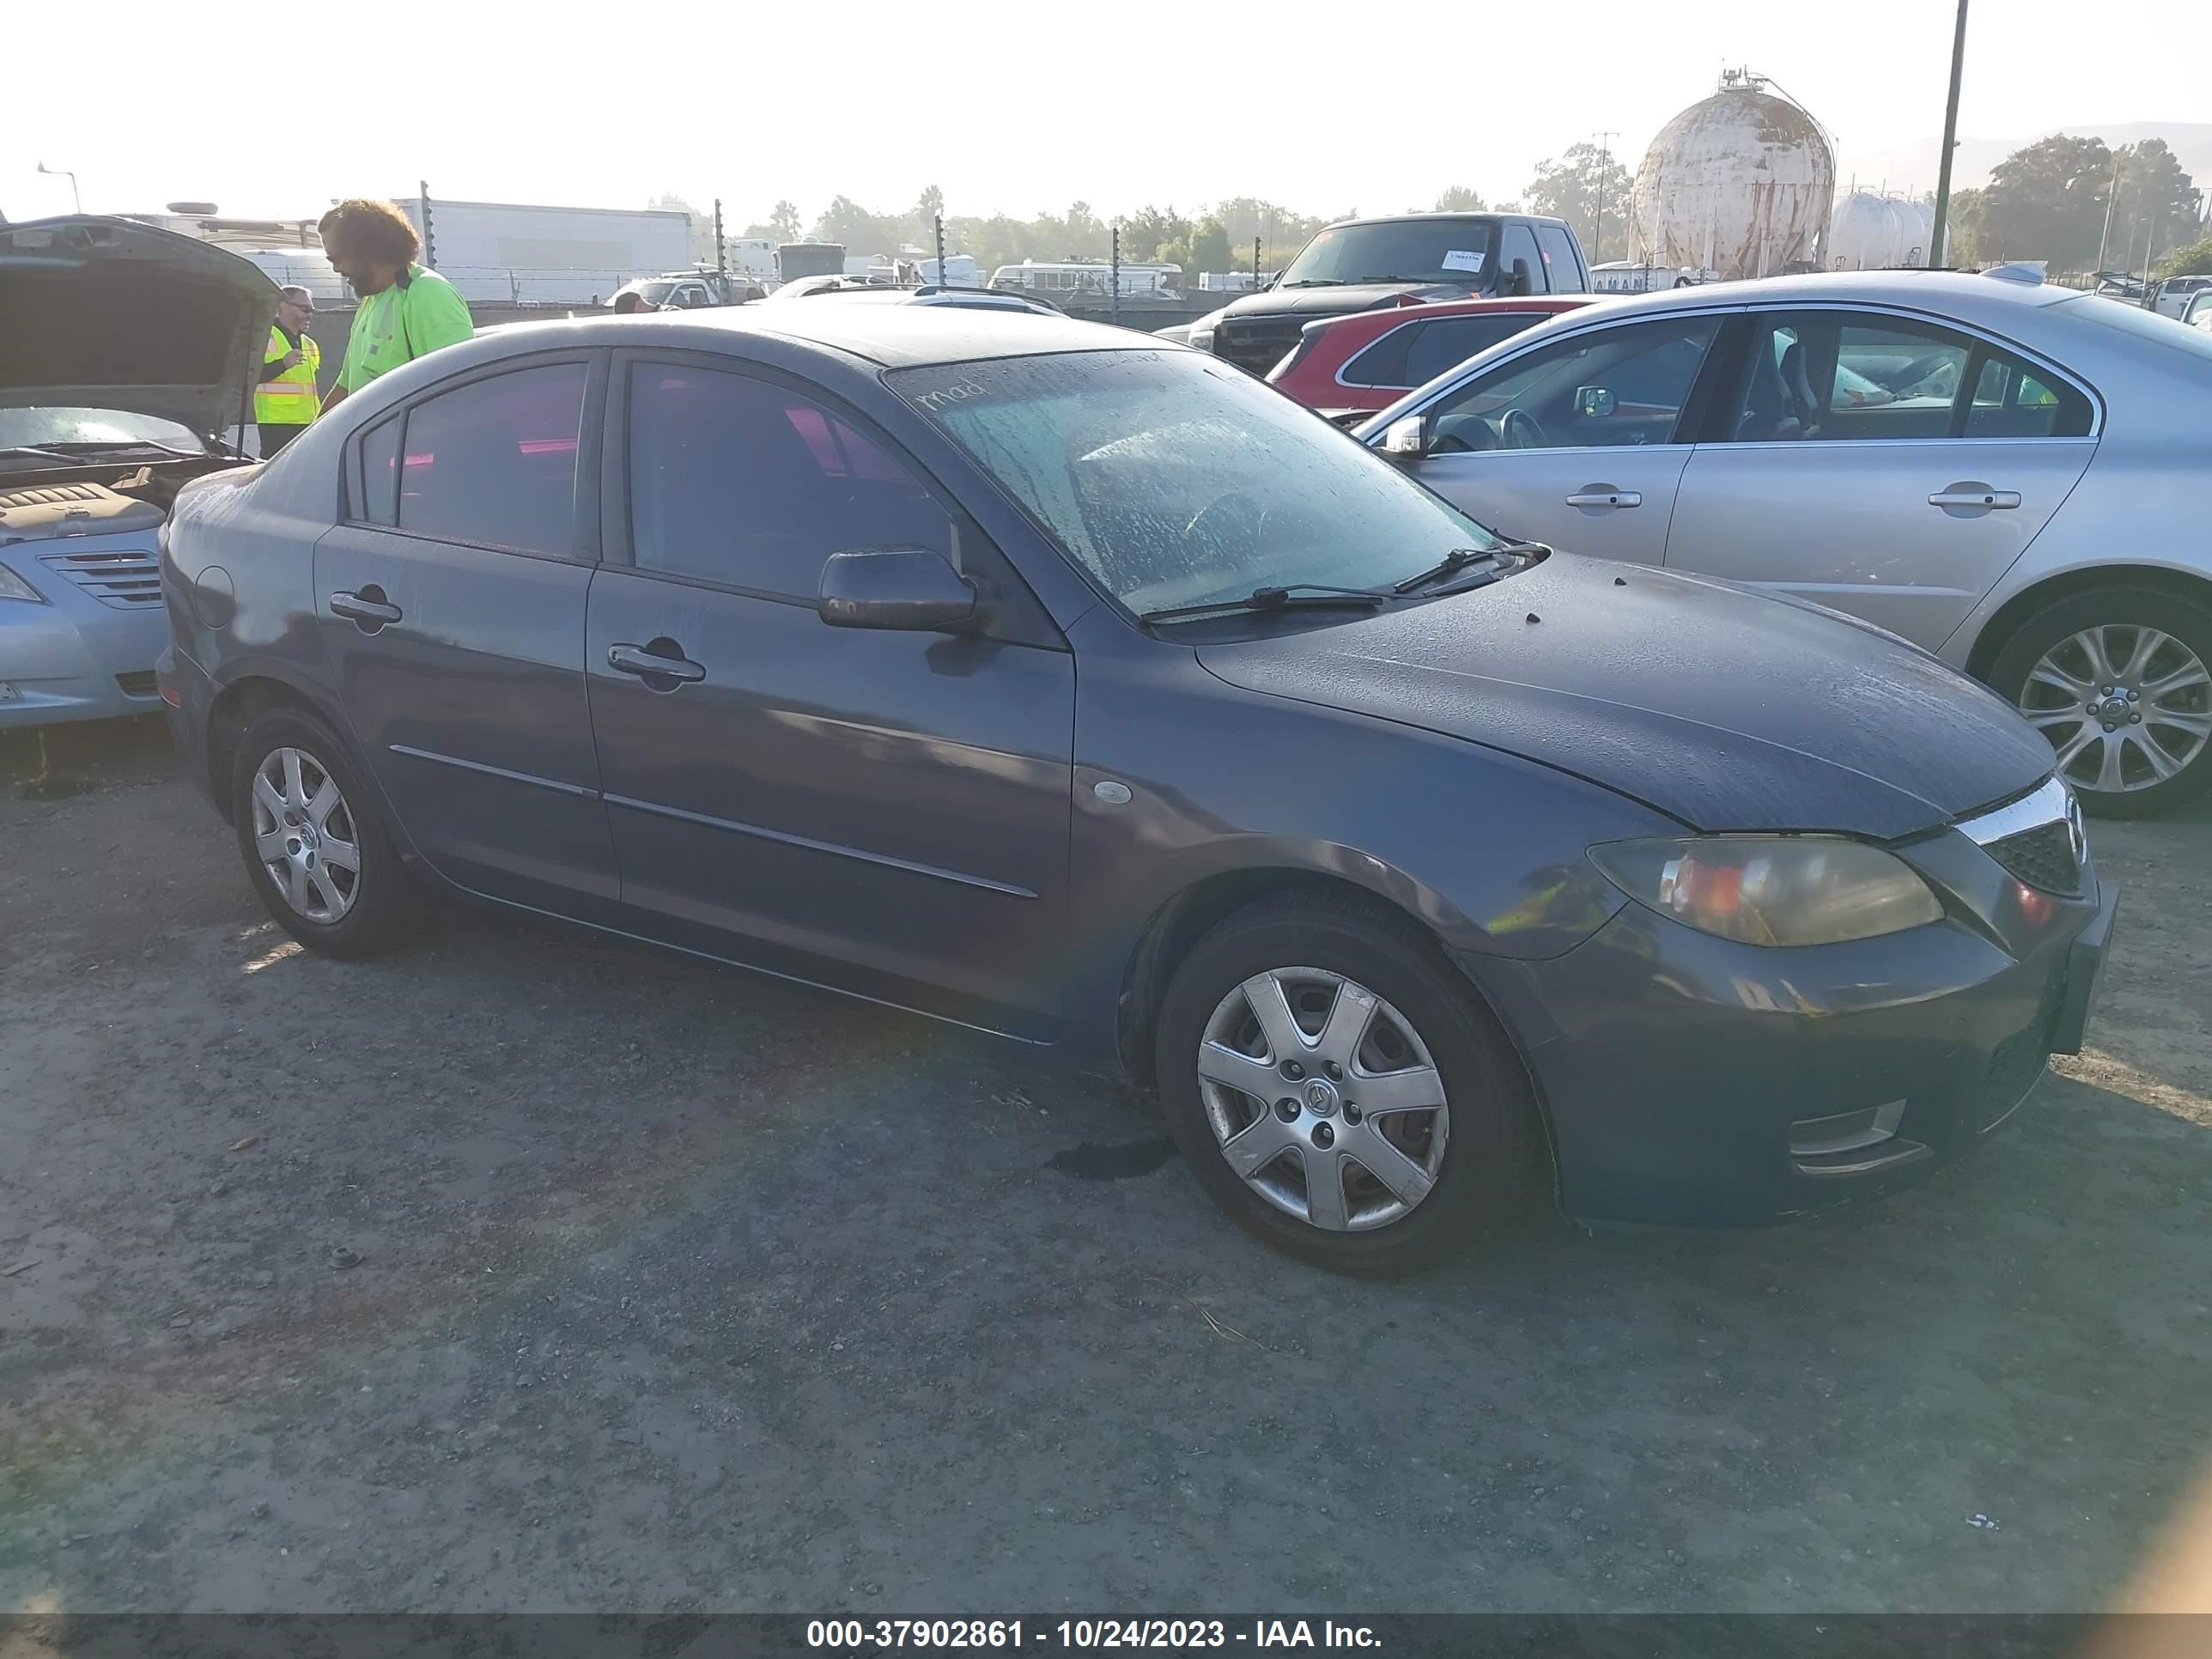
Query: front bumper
x=1693, y=1081
x=75, y=659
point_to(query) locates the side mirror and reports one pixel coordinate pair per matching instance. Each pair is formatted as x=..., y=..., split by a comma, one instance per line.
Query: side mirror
x=1406, y=439
x=1594, y=403
x=908, y=588
x=1523, y=283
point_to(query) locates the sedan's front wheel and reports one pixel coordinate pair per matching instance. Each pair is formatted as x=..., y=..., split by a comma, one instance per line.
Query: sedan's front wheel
x=307, y=830
x=1337, y=1088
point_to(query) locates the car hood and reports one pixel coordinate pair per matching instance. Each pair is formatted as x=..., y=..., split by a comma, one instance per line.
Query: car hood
x=1723, y=708
x=120, y=315
x=1340, y=302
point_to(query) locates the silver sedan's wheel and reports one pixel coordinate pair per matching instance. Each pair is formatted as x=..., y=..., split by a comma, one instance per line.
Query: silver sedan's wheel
x=1324, y=1099
x=305, y=837
x=2127, y=706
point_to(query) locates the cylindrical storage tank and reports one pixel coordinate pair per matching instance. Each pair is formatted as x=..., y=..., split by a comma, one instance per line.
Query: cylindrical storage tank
x=1874, y=233
x=1739, y=185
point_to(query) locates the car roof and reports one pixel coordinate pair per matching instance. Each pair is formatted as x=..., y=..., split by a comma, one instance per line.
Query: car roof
x=909, y=336
x=1930, y=290
x=1417, y=216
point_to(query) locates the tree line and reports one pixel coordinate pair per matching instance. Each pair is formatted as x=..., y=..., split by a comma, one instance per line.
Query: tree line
x=2067, y=200
x=2047, y=201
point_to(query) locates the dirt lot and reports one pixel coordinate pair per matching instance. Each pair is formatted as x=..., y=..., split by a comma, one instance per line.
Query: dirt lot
x=527, y=1271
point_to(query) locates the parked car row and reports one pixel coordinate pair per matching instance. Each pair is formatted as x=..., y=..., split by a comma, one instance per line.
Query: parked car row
x=1032, y=675
x=1037, y=677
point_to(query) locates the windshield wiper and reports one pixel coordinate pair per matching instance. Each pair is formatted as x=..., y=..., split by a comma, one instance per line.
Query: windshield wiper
x=31, y=452
x=1316, y=282
x=1462, y=558
x=1296, y=596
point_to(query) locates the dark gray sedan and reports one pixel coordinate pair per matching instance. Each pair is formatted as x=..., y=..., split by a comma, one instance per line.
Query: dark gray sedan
x=1048, y=680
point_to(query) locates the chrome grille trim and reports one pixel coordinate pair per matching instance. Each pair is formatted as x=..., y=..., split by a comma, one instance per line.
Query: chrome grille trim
x=2049, y=805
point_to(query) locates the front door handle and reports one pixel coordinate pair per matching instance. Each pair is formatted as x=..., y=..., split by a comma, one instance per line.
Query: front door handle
x=1604, y=495
x=370, y=612
x=636, y=660
x=1974, y=495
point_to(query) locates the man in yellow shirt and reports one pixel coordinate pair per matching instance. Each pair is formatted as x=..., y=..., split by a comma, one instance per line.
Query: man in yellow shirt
x=406, y=311
x=285, y=399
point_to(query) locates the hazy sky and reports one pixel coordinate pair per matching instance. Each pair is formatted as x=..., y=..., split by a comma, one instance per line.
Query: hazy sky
x=1008, y=107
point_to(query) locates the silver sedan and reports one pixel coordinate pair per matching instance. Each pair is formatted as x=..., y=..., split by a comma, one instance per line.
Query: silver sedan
x=2005, y=473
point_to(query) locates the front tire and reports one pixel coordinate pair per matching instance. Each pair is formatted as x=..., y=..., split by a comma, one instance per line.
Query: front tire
x=2120, y=681
x=1337, y=1087
x=314, y=847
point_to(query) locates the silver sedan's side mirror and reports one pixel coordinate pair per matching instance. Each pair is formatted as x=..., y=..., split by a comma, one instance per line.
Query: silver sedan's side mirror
x=1406, y=439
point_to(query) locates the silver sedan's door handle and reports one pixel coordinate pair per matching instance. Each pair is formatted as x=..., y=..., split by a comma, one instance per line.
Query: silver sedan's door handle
x=1974, y=495
x=363, y=609
x=1598, y=495
x=635, y=659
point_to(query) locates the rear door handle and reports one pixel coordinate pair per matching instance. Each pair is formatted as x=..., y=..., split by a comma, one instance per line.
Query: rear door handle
x=363, y=609
x=636, y=660
x=1974, y=495
x=1595, y=496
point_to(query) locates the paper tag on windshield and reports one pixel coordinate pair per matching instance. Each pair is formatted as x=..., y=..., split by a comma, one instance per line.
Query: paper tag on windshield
x=1459, y=258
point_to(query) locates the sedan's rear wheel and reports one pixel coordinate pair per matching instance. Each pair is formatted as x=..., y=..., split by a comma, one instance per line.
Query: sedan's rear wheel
x=2120, y=682
x=307, y=830
x=1338, y=1089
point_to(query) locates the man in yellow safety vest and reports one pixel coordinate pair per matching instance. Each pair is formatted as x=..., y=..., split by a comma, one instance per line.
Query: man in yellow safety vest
x=287, y=399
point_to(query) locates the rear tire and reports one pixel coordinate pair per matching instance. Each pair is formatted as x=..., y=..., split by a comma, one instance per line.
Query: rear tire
x=1385, y=1021
x=314, y=847
x=2143, y=658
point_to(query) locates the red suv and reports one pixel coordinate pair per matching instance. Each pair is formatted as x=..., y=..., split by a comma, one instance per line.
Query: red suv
x=1348, y=368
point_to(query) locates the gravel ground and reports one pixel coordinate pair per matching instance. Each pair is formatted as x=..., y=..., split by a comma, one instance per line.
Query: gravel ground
x=526, y=1271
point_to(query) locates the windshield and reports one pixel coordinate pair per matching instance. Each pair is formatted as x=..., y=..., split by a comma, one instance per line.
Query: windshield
x=1433, y=248
x=656, y=292
x=66, y=423
x=1175, y=480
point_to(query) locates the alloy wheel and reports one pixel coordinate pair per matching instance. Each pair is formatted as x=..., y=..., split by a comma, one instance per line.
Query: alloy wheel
x=304, y=835
x=2126, y=707
x=1324, y=1099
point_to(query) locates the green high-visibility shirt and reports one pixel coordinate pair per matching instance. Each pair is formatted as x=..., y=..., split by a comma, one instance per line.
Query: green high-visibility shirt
x=397, y=325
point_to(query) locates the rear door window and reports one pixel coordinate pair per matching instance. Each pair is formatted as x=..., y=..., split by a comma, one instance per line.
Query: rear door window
x=494, y=462
x=1831, y=376
x=1416, y=353
x=1561, y=266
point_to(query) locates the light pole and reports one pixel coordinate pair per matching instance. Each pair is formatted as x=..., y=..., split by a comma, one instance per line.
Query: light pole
x=1936, y=236
x=76, y=194
x=2112, y=195
x=1604, y=168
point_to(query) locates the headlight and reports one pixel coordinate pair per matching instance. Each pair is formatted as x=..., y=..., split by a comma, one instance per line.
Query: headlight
x=13, y=586
x=1772, y=890
x=1202, y=338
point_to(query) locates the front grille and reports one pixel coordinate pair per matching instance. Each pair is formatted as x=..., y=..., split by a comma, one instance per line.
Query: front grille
x=2042, y=857
x=1258, y=345
x=139, y=685
x=129, y=580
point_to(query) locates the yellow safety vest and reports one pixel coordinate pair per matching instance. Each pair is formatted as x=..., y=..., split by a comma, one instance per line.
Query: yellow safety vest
x=291, y=399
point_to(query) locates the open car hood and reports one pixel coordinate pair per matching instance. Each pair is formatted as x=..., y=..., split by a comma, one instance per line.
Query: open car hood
x=113, y=314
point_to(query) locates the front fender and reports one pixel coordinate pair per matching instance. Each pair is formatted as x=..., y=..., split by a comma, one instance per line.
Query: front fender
x=1484, y=849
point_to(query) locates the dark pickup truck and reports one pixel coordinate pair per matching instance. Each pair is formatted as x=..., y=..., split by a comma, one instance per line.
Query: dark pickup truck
x=1359, y=265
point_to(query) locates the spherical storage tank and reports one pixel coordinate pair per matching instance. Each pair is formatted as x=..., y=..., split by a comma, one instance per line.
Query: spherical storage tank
x=1739, y=185
x=1875, y=232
